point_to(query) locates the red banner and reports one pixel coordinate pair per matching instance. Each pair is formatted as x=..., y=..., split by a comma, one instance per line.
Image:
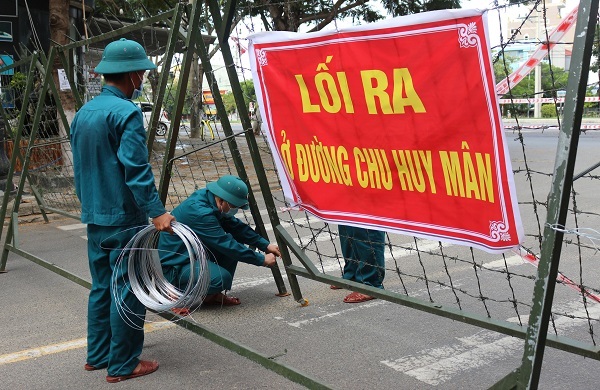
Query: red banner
x=393, y=126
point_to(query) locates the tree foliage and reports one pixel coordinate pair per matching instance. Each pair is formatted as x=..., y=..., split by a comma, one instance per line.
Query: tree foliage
x=286, y=15
x=248, y=92
x=289, y=15
x=595, y=65
x=132, y=9
x=554, y=79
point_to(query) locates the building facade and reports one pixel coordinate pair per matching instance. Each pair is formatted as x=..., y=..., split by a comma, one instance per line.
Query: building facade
x=530, y=31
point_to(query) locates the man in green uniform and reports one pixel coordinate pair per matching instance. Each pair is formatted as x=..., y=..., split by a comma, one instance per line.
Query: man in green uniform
x=115, y=185
x=209, y=212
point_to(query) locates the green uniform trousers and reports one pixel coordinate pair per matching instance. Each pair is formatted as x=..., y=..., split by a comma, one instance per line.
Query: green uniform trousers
x=220, y=278
x=364, y=260
x=113, y=342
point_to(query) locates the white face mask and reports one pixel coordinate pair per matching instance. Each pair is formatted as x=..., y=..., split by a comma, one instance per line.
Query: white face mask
x=232, y=210
x=138, y=91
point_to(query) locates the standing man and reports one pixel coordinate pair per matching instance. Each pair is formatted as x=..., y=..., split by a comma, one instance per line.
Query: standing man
x=364, y=260
x=256, y=120
x=209, y=212
x=115, y=185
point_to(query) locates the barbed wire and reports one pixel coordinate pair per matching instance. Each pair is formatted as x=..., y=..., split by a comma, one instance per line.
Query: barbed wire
x=432, y=271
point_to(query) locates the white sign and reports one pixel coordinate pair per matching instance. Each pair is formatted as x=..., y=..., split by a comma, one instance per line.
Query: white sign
x=63, y=80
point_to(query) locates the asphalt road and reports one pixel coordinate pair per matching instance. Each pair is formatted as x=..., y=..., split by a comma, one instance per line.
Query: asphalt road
x=375, y=344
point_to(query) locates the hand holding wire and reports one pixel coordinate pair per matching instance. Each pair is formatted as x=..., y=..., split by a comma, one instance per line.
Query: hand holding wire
x=163, y=222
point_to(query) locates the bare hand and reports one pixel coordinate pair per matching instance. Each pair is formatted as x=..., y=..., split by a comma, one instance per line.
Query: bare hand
x=274, y=249
x=163, y=222
x=270, y=260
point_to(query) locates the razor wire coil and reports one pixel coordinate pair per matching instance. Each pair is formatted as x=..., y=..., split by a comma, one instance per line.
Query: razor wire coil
x=147, y=281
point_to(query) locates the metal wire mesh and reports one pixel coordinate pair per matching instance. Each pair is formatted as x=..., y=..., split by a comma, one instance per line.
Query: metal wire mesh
x=491, y=286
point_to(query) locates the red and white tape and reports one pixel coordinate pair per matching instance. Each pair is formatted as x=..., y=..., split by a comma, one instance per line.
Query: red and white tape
x=534, y=127
x=544, y=100
x=540, y=52
x=533, y=260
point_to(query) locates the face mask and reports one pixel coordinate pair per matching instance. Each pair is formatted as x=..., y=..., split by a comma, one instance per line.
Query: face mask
x=232, y=210
x=137, y=92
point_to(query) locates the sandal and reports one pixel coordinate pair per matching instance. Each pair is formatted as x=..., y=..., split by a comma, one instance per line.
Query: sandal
x=145, y=367
x=181, y=311
x=89, y=367
x=221, y=299
x=357, y=297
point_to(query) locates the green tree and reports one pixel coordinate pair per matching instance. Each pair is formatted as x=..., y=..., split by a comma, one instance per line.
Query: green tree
x=229, y=102
x=595, y=65
x=289, y=15
x=131, y=9
x=248, y=92
x=286, y=15
x=169, y=98
x=554, y=79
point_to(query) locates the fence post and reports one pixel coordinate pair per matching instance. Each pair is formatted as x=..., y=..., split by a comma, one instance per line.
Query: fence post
x=558, y=198
x=6, y=185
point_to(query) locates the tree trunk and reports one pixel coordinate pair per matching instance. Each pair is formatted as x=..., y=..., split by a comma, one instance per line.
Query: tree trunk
x=195, y=96
x=59, y=33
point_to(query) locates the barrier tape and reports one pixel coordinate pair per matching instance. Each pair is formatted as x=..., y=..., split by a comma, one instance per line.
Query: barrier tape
x=545, y=100
x=527, y=127
x=535, y=261
x=540, y=52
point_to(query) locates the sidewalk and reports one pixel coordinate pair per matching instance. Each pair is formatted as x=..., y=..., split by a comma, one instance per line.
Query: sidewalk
x=545, y=121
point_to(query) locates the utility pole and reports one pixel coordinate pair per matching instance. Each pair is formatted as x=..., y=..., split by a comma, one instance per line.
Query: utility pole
x=537, y=108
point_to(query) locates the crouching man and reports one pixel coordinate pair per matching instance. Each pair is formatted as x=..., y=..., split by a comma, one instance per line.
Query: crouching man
x=210, y=213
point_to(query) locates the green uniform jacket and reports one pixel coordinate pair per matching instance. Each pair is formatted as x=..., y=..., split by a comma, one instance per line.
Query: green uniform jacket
x=223, y=235
x=113, y=179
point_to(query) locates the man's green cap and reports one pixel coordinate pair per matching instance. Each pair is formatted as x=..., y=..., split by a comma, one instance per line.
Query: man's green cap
x=124, y=56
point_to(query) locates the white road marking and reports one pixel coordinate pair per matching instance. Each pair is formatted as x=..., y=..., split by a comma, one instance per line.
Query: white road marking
x=73, y=226
x=240, y=284
x=67, y=345
x=301, y=222
x=499, y=264
x=41, y=351
x=309, y=321
x=435, y=366
x=368, y=305
x=330, y=266
x=423, y=246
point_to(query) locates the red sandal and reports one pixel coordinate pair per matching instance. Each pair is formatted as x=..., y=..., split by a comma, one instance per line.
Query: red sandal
x=357, y=297
x=181, y=311
x=89, y=367
x=145, y=367
x=221, y=299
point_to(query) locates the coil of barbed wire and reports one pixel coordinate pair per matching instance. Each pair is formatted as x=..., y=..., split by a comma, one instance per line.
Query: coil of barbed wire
x=147, y=281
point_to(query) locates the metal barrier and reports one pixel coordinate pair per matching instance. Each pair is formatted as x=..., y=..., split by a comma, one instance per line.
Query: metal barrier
x=309, y=246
